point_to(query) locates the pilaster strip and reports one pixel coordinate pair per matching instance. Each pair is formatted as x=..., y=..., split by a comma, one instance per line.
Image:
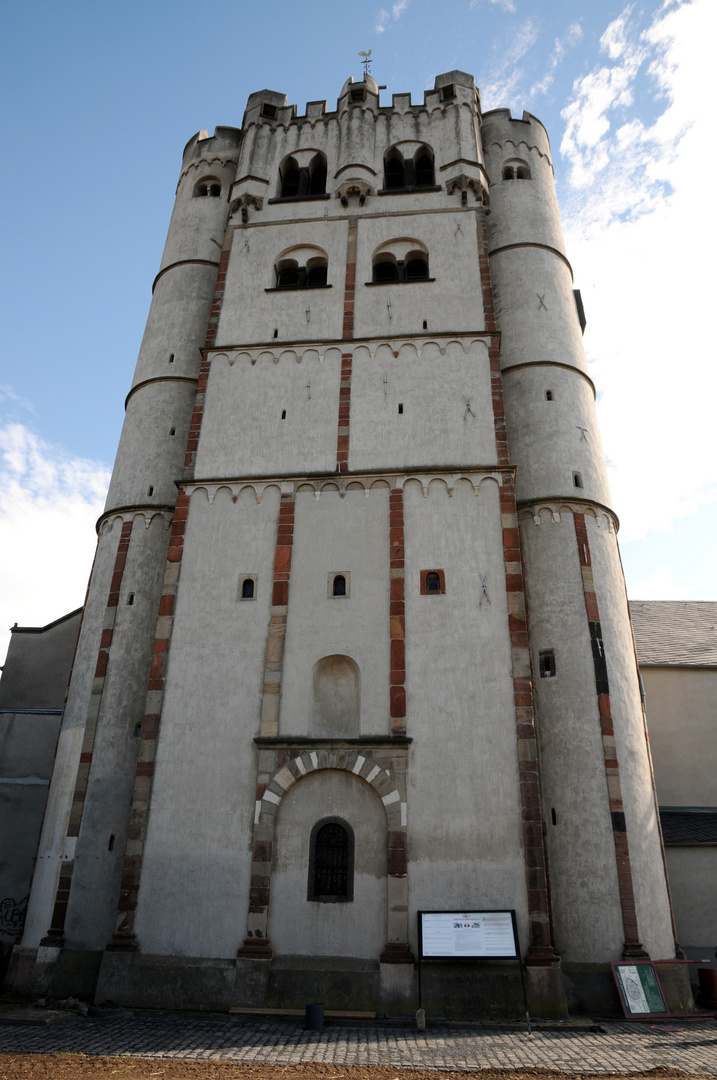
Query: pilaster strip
x=124, y=937
x=350, y=286
x=397, y=614
x=274, y=663
x=56, y=933
x=342, y=439
x=541, y=951
x=633, y=946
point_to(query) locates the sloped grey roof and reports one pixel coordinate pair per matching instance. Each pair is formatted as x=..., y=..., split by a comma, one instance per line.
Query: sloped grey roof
x=689, y=825
x=675, y=633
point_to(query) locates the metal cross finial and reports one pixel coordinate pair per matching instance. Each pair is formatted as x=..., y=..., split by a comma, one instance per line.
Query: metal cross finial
x=366, y=61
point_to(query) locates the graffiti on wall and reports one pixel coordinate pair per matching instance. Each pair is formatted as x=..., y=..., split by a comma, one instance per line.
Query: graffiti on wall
x=12, y=916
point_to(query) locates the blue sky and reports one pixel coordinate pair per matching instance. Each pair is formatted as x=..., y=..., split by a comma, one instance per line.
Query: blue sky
x=99, y=100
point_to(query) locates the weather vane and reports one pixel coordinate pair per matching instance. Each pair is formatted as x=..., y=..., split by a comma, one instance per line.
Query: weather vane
x=366, y=61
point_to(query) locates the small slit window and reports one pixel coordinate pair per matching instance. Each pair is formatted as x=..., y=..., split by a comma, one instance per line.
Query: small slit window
x=138, y=731
x=130, y=599
x=546, y=660
x=433, y=582
x=268, y=111
x=331, y=862
x=548, y=395
x=247, y=587
x=448, y=92
x=339, y=584
x=577, y=480
x=150, y=490
x=111, y=844
x=339, y=588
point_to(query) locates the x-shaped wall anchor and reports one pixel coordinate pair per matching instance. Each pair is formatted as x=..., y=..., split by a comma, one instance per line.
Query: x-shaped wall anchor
x=541, y=302
x=246, y=243
x=468, y=406
x=483, y=587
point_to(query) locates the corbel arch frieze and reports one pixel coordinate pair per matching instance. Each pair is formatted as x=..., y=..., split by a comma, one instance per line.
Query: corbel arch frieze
x=554, y=511
x=144, y=515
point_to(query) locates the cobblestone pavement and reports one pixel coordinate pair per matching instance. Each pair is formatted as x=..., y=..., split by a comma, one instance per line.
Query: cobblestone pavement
x=616, y=1047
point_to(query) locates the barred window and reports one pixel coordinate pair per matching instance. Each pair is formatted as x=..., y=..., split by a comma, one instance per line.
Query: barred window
x=331, y=862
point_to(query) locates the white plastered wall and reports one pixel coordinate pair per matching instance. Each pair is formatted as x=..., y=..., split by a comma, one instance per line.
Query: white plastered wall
x=196, y=865
x=338, y=534
x=464, y=812
x=433, y=381
x=243, y=432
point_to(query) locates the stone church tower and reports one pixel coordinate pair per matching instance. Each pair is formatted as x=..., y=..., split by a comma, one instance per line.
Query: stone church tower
x=356, y=641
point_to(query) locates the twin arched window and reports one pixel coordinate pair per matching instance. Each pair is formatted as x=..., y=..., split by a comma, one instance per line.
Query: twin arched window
x=208, y=187
x=302, y=270
x=400, y=260
x=516, y=170
x=406, y=174
x=301, y=182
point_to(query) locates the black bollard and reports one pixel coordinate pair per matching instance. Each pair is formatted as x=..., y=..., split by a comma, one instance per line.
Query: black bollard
x=314, y=1017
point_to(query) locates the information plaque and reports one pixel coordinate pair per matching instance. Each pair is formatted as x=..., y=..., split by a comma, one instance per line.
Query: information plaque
x=449, y=935
x=639, y=989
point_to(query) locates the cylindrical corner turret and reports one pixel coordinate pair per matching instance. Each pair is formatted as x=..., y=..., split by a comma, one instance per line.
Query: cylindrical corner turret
x=599, y=800
x=159, y=407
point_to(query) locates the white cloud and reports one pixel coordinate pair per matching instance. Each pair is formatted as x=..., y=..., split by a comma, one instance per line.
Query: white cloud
x=49, y=503
x=659, y=586
x=385, y=17
x=640, y=232
x=560, y=49
x=504, y=5
x=502, y=84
